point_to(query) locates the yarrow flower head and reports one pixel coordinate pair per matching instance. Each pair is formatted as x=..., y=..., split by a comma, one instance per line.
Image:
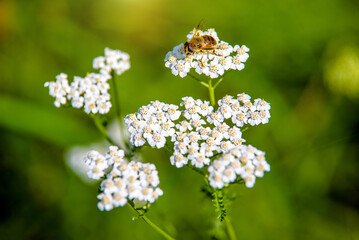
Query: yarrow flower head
x=207, y=54
x=124, y=180
x=90, y=92
x=199, y=133
x=239, y=163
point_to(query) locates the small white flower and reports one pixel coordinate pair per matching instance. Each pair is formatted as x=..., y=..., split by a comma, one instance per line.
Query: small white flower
x=172, y=111
x=229, y=175
x=184, y=126
x=204, y=108
x=264, y=115
x=199, y=160
x=261, y=168
x=204, y=133
x=146, y=194
x=157, y=141
x=167, y=129
x=243, y=97
x=250, y=181
x=226, y=146
x=254, y=118
x=181, y=147
x=178, y=160
x=215, y=180
x=188, y=102
x=192, y=112
x=134, y=190
x=106, y=202
x=233, y=133
x=95, y=173
x=226, y=62
x=149, y=179
x=119, y=198
x=261, y=105
x=215, y=69
x=226, y=100
x=155, y=194
x=99, y=62
x=240, y=118
x=215, y=118
x=90, y=107
x=77, y=102
x=181, y=68
x=171, y=61
x=104, y=107
x=197, y=123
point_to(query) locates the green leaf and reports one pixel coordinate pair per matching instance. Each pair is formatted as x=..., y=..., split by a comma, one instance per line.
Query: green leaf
x=28, y=118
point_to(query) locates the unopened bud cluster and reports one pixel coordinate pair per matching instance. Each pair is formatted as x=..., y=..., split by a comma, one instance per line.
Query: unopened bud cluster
x=124, y=180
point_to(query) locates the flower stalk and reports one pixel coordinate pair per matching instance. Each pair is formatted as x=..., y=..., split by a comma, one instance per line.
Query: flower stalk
x=141, y=214
x=198, y=80
x=230, y=229
x=211, y=92
x=219, y=202
x=102, y=128
x=118, y=110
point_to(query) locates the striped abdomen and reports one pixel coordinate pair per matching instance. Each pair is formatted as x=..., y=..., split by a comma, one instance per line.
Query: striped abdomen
x=210, y=42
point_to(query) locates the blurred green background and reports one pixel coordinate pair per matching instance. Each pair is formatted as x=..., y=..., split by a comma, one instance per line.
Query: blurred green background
x=304, y=60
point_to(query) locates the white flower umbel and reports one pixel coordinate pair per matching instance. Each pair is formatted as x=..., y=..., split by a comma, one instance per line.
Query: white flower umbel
x=197, y=131
x=124, y=180
x=90, y=92
x=212, y=63
x=240, y=163
x=113, y=60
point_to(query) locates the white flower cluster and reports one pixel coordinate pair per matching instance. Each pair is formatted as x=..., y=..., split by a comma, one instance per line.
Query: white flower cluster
x=211, y=63
x=152, y=124
x=205, y=133
x=90, y=92
x=242, y=111
x=200, y=133
x=113, y=60
x=124, y=180
x=241, y=162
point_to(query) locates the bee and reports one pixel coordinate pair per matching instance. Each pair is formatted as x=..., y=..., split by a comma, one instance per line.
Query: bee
x=200, y=43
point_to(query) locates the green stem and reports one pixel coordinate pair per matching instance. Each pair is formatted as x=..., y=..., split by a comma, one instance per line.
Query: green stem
x=230, y=229
x=157, y=228
x=211, y=92
x=141, y=213
x=228, y=71
x=168, y=149
x=102, y=129
x=196, y=169
x=218, y=197
x=115, y=95
x=198, y=80
x=118, y=109
x=218, y=82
